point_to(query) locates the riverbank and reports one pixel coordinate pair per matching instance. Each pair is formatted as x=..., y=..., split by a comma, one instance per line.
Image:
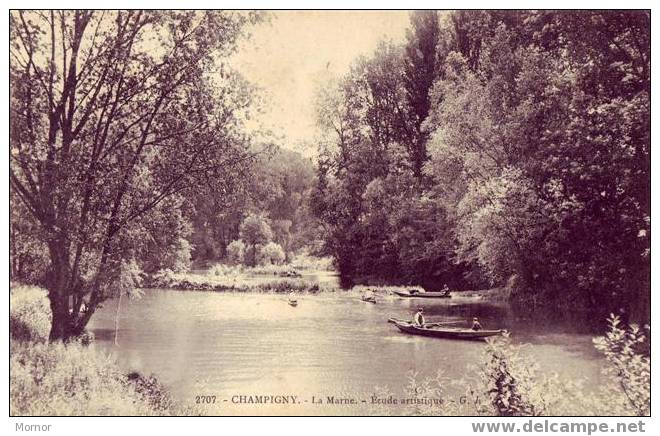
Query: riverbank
x=284, y=279
x=231, y=281
x=73, y=379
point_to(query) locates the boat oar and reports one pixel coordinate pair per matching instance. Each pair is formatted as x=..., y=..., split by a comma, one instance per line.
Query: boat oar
x=428, y=324
x=445, y=323
x=395, y=320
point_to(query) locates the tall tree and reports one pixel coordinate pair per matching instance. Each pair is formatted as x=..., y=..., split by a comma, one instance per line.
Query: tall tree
x=536, y=146
x=255, y=231
x=114, y=112
x=421, y=59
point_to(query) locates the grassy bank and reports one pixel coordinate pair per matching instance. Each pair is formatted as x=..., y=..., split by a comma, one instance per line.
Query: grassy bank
x=71, y=379
x=267, y=279
x=236, y=281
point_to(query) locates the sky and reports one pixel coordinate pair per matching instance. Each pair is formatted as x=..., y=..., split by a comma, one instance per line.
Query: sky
x=288, y=57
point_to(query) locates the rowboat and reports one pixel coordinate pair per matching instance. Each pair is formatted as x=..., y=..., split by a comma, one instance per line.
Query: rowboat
x=418, y=294
x=445, y=332
x=427, y=324
x=293, y=303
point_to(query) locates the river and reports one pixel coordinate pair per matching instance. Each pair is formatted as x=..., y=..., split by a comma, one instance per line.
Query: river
x=230, y=345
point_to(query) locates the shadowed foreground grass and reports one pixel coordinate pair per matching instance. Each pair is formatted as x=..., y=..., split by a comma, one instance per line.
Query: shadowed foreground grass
x=71, y=379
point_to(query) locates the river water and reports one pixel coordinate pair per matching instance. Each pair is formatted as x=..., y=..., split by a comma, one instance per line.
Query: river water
x=236, y=346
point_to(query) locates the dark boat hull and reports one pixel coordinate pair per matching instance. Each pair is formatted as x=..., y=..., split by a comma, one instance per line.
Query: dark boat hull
x=447, y=333
x=406, y=294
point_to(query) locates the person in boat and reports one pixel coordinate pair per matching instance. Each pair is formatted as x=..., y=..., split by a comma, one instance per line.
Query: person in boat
x=418, y=319
x=445, y=289
x=292, y=296
x=476, y=326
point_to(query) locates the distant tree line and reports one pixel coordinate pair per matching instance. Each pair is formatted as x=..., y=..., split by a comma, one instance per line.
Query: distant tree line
x=508, y=148
x=274, y=192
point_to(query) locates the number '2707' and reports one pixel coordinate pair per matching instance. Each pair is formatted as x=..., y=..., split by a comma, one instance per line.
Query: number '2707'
x=205, y=399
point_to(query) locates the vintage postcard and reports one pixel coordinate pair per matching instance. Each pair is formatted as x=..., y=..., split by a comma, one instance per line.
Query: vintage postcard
x=330, y=212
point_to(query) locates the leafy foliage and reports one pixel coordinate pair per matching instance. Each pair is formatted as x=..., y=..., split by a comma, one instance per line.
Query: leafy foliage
x=236, y=252
x=116, y=115
x=278, y=185
x=531, y=129
x=29, y=314
x=75, y=380
x=255, y=231
x=271, y=254
x=630, y=366
x=378, y=221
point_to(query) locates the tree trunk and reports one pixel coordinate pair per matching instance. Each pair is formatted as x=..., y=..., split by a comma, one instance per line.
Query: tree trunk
x=69, y=317
x=62, y=328
x=68, y=320
x=57, y=286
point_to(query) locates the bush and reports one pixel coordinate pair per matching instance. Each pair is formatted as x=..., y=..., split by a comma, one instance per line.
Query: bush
x=151, y=391
x=236, y=252
x=58, y=379
x=73, y=379
x=511, y=385
x=288, y=285
x=178, y=256
x=630, y=368
x=163, y=278
x=271, y=254
x=29, y=314
x=304, y=261
x=508, y=381
x=222, y=270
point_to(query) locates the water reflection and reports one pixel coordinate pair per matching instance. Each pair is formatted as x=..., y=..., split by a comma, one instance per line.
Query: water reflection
x=229, y=344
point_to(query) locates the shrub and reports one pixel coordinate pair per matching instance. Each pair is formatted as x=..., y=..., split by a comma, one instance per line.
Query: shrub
x=151, y=391
x=288, y=285
x=58, y=379
x=163, y=278
x=178, y=256
x=236, y=252
x=271, y=253
x=630, y=368
x=508, y=380
x=510, y=384
x=29, y=314
x=222, y=270
x=71, y=379
x=304, y=261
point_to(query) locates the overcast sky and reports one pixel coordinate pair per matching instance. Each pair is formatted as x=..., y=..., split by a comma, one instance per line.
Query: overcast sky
x=287, y=57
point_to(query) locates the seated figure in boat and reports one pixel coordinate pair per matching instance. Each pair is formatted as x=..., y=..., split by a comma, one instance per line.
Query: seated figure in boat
x=476, y=326
x=418, y=319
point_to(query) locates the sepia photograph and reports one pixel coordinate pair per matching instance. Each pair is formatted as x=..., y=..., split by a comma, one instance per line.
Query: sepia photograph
x=330, y=213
